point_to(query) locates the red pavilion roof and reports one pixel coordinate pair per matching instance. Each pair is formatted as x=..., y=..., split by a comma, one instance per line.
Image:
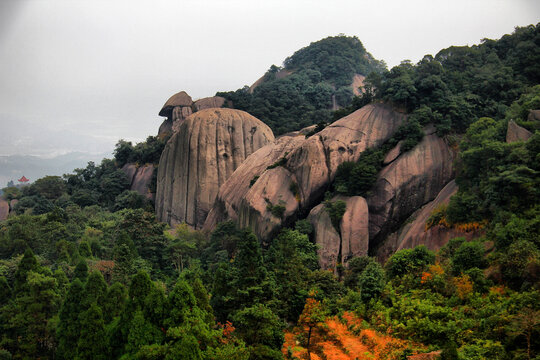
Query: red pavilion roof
x=23, y=179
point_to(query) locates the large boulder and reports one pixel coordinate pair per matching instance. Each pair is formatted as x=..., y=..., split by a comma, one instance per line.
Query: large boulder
x=4, y=209
x=200, y=157
x=139, y=178
x=176, y=109
x=296, y=171
x=410, y=181
x=516, y=133
x=352, y=240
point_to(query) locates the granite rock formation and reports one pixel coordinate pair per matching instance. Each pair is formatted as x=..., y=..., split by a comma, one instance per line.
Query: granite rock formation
x=200, y=157
x=295, y=171
x=517, y=133
x=139, y=178
x=352, y=239
x=410, y=181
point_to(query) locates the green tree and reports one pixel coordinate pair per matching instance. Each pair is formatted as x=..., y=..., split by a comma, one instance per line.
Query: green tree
x=371, y=282
x=92, y=341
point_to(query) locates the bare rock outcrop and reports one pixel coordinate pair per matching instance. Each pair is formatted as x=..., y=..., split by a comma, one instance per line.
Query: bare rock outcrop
x=209, y=102
x=139, y=178
x=410, y=181
x=414, y=232
x=200, y=157
x=326, y=237
x=352, y=239
x=516, y=133
x=176, y=109
x=534, y=115
x=4, y=209
x=308, y=166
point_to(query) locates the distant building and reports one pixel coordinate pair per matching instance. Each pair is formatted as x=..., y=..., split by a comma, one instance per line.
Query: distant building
x=23, y=180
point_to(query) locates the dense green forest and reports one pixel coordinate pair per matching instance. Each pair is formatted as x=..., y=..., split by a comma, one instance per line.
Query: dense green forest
x=318, y=72
x=86, y=271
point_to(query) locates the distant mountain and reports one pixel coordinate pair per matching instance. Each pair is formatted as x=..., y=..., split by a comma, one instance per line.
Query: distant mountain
x=12, y=167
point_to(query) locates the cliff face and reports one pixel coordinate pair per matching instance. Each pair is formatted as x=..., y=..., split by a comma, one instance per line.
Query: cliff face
x=200, y=157
x=353, y=237
x=407, y=183
x=295, y=171
x=414, y=232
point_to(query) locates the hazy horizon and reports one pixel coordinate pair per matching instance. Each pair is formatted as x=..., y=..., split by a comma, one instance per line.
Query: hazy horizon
x=80, y=75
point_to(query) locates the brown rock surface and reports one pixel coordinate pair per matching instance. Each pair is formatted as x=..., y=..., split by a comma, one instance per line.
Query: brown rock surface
x=130, y=170
x=414, y=232
x=516, y=133
x=357, y=83
x=179, y=99
x=326, y=237
x=4, y=209
x=209, y=102
x=409, y=182
x=200, y=157
x=352, y=239
x=139, y=178
x=165, y=129
x=354, y=228
x=534, y=115
x=310, y=163
x=393, y=154
x=237, y=199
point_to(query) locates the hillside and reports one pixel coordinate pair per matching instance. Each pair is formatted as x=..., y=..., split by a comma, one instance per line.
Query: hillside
x=312, y=82
x=406, y=229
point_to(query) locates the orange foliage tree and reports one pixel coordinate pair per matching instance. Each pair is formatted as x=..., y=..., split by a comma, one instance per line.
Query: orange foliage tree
x=311, y=320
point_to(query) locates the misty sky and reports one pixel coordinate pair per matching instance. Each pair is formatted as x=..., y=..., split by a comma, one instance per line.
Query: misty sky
x=79, y=75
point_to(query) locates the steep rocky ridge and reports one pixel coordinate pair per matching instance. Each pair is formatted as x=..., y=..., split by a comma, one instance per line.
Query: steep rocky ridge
x=200, y=157
x=307, y=168
x=407, y=183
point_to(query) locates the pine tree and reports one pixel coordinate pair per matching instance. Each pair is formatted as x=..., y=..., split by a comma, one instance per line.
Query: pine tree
x=81, y=271
x=68, y=326
x=92, y=340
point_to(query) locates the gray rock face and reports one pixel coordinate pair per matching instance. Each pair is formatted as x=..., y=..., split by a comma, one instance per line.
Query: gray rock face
x=517, y=133
x=409, y=182
x=200, y=157
x=309, y=165
x=352, y=239
x=4, y=209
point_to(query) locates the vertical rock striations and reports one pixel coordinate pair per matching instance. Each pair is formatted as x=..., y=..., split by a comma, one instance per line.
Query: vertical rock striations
x=200, y=157
x=295, y=171
x=410, y=181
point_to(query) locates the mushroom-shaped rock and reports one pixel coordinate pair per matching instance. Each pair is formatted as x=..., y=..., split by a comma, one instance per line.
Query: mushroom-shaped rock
x=209, y=102
x=409, y=182
x=180, y=99
x=4, y=209
x=353, y=237
x=308, y=167
x=200, y=157
x=516, y=133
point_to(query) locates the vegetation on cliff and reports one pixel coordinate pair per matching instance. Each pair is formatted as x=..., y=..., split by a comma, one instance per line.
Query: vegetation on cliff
x=86, y=271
